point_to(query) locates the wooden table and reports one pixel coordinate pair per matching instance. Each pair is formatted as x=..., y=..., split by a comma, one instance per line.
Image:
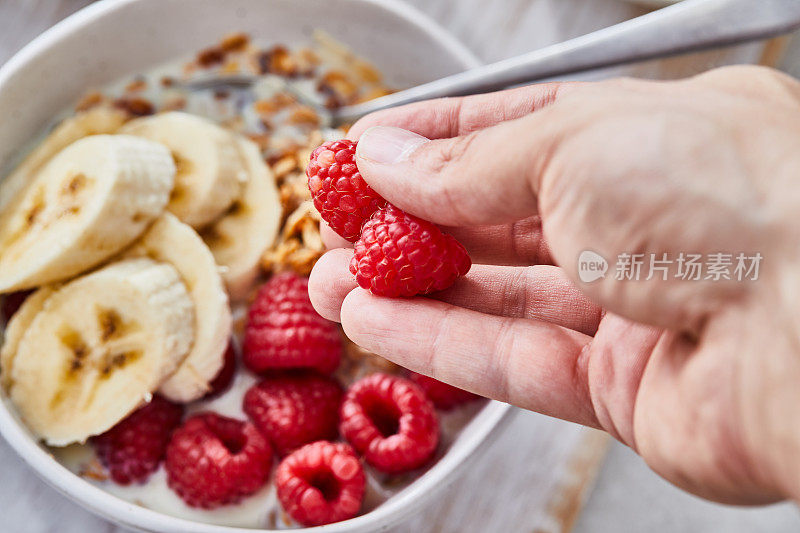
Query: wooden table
x=536, y=475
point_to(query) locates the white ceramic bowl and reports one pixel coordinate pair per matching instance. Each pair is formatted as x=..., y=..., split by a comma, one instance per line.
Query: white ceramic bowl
x=115, y=38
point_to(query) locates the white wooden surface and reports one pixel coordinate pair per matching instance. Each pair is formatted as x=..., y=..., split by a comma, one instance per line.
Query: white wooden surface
x=536, y=474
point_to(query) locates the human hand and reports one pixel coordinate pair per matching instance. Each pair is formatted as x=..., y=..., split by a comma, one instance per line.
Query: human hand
x=699, y=377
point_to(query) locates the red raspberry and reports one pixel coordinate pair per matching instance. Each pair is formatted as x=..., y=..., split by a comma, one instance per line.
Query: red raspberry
x=389, y=420
x=293, y=410
x=133, y=449
x=321, y=483
x=340, y=194
x=284, y=331
x=214, y=460
x=401, y=255
x=11, y=303
x=442, y=395
x=225, y=375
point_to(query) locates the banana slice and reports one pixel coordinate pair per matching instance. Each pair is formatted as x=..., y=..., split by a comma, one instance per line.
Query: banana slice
x=210, y=171
x=98, y=348
x=171, y=241
x=17, y=327
x=239, y=239
x=95, y=121
x=89, y=202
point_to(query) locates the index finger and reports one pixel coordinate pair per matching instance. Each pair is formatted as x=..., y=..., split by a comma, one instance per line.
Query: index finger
x=443, y=118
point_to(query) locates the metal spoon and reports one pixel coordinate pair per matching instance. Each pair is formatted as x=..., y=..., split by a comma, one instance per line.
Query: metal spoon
x=690, y=26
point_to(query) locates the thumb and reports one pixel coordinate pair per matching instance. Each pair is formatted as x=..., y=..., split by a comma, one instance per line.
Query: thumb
x=475, y=179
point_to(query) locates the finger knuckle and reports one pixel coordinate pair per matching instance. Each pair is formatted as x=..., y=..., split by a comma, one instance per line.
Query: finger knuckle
x=447, y=165
x=738, y=71
x=750, y=74
x=754, y=82
x=451, y=153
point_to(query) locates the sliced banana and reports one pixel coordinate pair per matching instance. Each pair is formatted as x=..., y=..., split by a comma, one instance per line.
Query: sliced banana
x=16, y=328
x=210, y=169
x=89, y=202
x=95, y=121
x=99, y=347
x=171, y=241
x=239, y=239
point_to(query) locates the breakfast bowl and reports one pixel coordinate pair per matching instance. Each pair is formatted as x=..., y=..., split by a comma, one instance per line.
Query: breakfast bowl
x=115, y=39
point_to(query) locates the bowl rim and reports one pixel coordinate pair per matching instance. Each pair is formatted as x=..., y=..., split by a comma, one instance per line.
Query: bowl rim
x=475, y=436
x=89, y=14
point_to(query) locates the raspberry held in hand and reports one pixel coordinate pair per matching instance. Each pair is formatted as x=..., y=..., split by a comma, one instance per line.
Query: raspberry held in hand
x=401, y=255
x=214, y=460
x=321, y=483
x=133, y=449
x=293, y=410
x=342, y=197
x=284, y=331
x=389, y=420
x=442, y=395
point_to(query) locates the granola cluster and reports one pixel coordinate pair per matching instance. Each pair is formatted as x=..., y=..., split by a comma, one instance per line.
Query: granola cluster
x=299, y=244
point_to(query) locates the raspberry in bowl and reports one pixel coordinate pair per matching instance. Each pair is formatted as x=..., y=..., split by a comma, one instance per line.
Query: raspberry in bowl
x=116, y=467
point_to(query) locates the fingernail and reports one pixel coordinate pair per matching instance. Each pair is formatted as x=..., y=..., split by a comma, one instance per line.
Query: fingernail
x=386, y=145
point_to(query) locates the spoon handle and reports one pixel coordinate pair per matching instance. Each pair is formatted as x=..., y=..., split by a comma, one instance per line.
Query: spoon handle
x=690, y=26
